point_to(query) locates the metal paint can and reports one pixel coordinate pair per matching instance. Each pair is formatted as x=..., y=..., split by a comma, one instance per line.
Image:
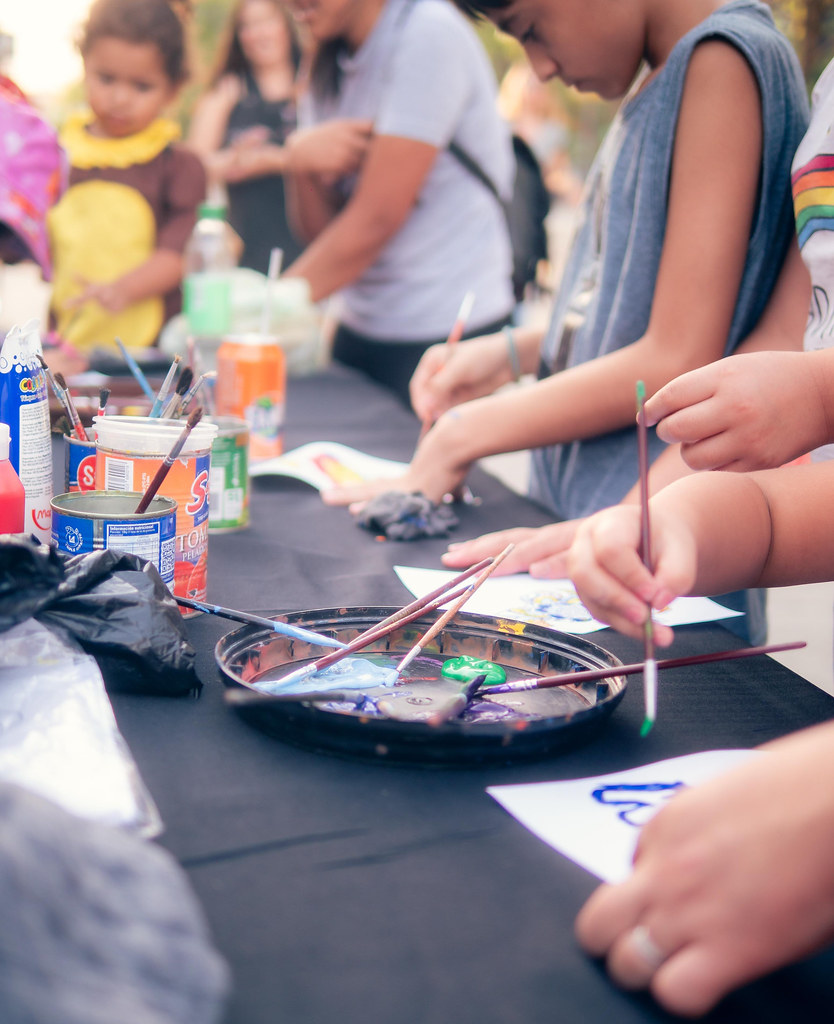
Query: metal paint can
x=129, y=451
x=79, y=463
x=85, y=521
x=229, y=475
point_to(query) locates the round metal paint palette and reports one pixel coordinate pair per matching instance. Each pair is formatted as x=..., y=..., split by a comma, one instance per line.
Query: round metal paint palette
x=498, y=729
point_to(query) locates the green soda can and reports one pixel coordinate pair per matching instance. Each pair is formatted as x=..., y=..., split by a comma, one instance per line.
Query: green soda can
x=229, y=475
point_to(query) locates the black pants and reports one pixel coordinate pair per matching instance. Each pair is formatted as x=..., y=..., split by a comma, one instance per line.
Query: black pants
x=391, y=363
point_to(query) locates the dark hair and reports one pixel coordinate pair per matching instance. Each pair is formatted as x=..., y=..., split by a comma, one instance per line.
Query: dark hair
x=325, y=71
x=158, y=22
x=232, y=58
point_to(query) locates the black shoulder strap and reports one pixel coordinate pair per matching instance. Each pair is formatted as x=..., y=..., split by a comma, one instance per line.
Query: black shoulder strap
x=474, y=169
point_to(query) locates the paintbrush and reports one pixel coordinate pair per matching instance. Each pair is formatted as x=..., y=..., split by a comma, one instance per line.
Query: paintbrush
x=50, y=376
x=452, y=339
x=459, y=703
x=649, y=661
x=453, y=609
x=195, y=387
x=257, y=697
x=165, y=390
x=460, y=320
x=69, y=405
x=298, y=632
x=135, y=369
x=426, y=599
x=363, y=640
x=590, y=674
x=168, y=461
x=175, y=402
x=103, y=397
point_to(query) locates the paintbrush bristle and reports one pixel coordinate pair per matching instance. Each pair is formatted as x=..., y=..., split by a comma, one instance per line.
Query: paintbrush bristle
x=184, y=383
x=60, y=380
x=194, y=417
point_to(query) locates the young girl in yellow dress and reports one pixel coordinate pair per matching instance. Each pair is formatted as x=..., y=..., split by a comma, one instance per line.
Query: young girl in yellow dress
x=119, y=232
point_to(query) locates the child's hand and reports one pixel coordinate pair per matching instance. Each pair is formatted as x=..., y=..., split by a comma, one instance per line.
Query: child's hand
x=111, y=295
x=432, y=472
x=732, y=879
x=540, y=551
x=446, y=377
x=752, y=411
x=610, y=578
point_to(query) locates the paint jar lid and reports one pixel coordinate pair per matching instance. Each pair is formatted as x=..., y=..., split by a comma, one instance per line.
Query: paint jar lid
x=145, y=435
x=5, y=441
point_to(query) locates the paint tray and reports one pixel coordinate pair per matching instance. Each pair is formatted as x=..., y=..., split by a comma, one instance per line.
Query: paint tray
x=497, y=730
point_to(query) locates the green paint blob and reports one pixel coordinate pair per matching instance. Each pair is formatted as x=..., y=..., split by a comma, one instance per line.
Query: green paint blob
x=466, y=668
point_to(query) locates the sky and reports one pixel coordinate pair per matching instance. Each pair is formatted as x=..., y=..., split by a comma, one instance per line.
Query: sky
x=45, y=60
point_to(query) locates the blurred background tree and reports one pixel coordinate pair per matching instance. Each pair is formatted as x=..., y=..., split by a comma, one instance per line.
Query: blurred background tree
x=809, y=24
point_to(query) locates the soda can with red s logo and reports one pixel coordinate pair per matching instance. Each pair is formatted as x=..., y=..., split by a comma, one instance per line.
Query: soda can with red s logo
x=79, y=463
x=129, y=451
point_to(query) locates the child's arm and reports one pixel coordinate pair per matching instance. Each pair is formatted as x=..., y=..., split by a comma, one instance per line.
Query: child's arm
x=763, y=409
x=543, y=551
x=717, y=159
x=158, y=275
x=711, y=533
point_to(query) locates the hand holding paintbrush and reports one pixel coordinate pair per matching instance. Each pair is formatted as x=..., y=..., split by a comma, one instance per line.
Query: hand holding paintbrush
x=453, y=338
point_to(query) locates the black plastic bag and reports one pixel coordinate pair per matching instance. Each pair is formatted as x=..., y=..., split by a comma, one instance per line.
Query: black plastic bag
x=114, y=604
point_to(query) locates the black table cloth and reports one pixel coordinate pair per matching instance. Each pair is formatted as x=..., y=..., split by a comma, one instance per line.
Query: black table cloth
x=343, y=891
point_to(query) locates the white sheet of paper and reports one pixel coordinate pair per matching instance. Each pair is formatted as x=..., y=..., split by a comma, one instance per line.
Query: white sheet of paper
x=551, y=603
x=328, y=464
x=596, y=821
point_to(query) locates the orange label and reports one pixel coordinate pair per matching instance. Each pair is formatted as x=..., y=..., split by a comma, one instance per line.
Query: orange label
x=251, y=384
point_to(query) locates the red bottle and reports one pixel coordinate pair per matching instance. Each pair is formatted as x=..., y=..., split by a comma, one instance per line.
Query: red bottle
x=12, y=495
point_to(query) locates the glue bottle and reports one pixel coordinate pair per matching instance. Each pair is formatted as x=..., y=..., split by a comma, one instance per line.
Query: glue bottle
x=24, y=406
x=210, y=254
x=12, y=494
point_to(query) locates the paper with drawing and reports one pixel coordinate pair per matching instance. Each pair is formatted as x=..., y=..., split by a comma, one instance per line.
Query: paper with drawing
x=596, y=821
x=552, y=603
x=327, y=464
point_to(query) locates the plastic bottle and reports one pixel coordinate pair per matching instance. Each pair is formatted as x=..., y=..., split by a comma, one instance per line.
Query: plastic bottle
x=211, y=252
x=24, y=406
x=12, y=494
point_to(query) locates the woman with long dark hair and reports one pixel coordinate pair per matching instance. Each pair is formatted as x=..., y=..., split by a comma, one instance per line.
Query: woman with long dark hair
x=243, y=125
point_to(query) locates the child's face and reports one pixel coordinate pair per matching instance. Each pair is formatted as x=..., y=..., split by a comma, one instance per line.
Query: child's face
x=593, y=45
x=127, y=87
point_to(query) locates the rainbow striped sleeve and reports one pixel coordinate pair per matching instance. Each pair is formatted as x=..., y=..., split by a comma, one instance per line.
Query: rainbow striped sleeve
x=813, y=196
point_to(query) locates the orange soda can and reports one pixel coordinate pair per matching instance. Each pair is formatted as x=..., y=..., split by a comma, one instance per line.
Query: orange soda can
x=251, y=384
